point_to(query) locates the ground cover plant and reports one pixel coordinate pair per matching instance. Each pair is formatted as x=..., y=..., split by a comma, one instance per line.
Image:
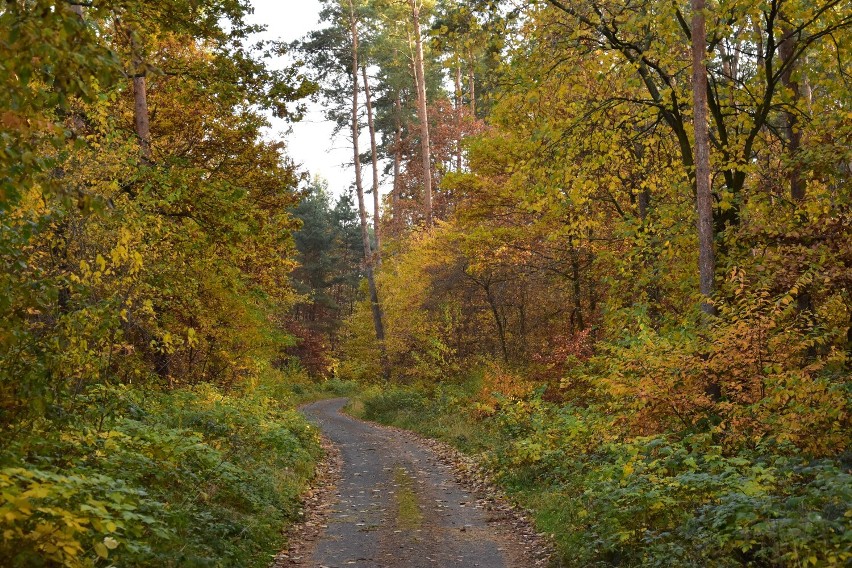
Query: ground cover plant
x=648, y=501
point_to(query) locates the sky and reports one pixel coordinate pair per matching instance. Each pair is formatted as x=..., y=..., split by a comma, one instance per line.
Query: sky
x=310, y=142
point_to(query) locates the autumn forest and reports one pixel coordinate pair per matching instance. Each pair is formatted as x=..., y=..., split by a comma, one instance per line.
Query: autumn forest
x=601, y=248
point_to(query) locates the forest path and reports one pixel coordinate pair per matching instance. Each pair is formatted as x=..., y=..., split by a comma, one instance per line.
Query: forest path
x=397, y=505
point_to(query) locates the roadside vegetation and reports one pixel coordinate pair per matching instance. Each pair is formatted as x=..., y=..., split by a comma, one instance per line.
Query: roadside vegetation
x=146, y=410
x=659, y=500
x=609, y=253
x=186, y=477
x=614, y=262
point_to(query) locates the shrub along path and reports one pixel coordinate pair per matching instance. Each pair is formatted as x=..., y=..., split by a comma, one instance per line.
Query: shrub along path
x=398, y=504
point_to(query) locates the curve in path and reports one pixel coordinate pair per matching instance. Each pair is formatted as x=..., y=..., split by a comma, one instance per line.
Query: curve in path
x=397, y=505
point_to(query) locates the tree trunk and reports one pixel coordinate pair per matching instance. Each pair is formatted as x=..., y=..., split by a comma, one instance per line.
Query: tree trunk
x=703, y=196
x=397, y=158
x=458, y=115
x=501, y=330
x=374, y=155
x=471, y=84
x=422, y=115
x=791, y=128
x=577, y=322
x=359, y=188
x=140, y=102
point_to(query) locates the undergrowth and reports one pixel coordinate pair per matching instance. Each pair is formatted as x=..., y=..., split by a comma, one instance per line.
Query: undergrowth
x=645, y=501
x=191, y=477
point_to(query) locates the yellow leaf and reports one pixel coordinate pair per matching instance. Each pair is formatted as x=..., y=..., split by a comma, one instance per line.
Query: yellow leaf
x=101, y=550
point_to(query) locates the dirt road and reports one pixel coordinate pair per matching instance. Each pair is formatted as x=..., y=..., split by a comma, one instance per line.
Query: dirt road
x=397, y=505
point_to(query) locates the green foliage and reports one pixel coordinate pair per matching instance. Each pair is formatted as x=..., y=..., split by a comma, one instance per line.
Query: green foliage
x=188, y=478
x=652, y=501
x=328, y=276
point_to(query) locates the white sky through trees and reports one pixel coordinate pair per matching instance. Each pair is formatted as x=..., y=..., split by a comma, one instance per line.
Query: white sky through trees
x=310, y=141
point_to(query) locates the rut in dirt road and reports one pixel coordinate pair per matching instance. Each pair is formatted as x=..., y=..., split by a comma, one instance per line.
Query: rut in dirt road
x=398, y=506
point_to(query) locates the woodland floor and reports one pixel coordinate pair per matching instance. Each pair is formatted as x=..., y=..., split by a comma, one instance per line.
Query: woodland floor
x=388, y=498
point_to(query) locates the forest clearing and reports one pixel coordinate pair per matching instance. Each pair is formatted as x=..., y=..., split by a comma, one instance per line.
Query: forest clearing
x=584, y=298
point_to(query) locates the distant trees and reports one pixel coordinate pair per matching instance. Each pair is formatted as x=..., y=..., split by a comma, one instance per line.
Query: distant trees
x=330, y=255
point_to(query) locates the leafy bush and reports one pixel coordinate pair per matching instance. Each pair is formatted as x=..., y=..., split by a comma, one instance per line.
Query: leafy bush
x=190, y=478
x=388, y=401
x=611, y=500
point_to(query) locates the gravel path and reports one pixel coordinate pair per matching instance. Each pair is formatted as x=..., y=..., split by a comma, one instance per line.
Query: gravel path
x=398, y=505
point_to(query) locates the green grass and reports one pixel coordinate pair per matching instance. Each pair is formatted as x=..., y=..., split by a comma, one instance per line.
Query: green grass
x=408, y=513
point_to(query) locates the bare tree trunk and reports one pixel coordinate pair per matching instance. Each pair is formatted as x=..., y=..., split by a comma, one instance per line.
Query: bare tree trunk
x=703, y=196
x=420, y=79
x=359, y=188
x=374, y=155
x=501, y=330
x=791, y=128
x=577, y=322
x=471, y=84
x=397, y=157
x=458, y=114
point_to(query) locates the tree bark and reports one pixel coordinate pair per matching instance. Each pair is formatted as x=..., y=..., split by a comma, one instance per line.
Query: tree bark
x=577, y=322
x=458, y=95
x=359, y=188
x=397, y=158
x=501, y=330
x=703, y=196
x=374, y=156
x=471, y=87
x=791, y=128
x=141, y=118
x=422, y=114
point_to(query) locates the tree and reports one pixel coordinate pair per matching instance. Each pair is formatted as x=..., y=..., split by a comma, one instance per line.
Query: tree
x=703, y=190
x=159, y=271
x=422, y=114
x=359, y=188
x=374, y=161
